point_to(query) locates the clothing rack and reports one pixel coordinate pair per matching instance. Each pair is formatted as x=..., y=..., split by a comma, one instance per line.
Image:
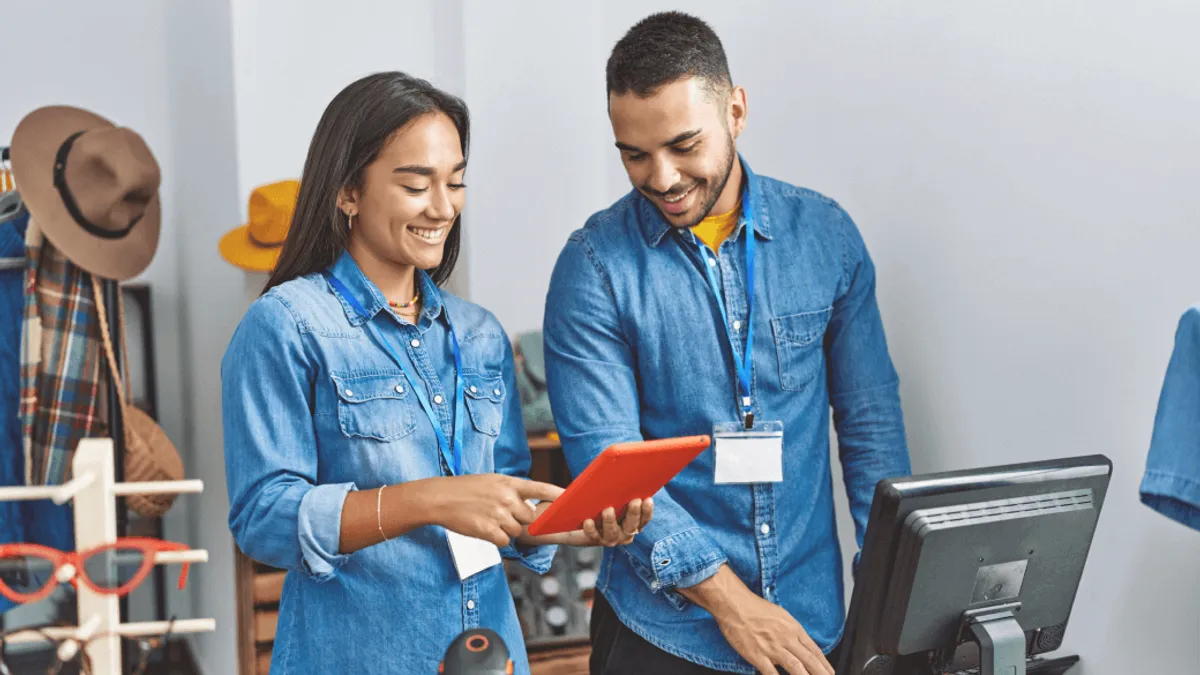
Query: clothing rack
x=110, y=292
x=95, y=493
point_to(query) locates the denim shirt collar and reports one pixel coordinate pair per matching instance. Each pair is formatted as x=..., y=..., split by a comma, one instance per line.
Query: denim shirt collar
x=367, y=293
x=656, y=226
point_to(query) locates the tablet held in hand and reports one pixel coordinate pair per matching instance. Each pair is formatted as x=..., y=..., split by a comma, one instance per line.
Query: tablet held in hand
x=622, y=473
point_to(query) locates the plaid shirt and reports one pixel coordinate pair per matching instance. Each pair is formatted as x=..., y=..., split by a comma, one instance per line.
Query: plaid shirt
x=61, y=354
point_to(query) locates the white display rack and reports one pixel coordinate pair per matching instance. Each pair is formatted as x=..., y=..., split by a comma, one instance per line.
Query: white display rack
x=94, y=493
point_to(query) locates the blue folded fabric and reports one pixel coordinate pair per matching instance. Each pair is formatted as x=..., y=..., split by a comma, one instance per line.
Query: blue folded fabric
x=1171, y=484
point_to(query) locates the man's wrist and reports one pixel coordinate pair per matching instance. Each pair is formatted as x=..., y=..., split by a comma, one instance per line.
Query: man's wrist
x=716, y=594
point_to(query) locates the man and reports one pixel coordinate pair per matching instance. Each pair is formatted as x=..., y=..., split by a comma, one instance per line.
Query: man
x=648, y=318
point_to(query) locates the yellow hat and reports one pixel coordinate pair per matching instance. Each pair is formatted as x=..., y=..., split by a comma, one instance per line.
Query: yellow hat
x=255, y=246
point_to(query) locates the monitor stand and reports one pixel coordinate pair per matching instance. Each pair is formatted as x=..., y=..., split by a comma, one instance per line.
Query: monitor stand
x=1001, y=642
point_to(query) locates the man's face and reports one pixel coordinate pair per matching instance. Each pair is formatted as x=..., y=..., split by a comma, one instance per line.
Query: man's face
x=677, y=146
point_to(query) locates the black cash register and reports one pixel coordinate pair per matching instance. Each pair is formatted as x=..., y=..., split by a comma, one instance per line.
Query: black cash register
x=973, y=571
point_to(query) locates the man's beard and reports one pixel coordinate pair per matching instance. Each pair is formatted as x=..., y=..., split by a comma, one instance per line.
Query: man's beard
x=713, y=195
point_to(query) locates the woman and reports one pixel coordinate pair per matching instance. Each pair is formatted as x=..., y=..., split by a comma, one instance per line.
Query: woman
x=373, y=438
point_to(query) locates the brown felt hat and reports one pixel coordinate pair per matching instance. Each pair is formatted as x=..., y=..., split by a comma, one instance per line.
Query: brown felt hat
x=93, y=188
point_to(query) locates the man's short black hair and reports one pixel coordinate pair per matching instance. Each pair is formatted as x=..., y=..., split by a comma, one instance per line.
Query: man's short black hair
x=665, y=48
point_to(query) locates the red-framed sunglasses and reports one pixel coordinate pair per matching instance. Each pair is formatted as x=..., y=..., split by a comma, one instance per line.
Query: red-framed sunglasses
x=29, y=572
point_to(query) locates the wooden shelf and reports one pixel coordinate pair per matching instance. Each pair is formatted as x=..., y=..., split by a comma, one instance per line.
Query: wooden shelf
x=544, y=444
x=268, y=587
x=265, y=624
x=565, y=661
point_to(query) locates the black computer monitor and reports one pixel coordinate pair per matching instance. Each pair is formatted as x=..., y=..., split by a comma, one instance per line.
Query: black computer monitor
x=981, y=564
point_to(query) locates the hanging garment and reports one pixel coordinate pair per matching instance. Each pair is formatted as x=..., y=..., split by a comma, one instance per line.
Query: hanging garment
x=12, y=462
x=60, y=361
x=12, y=210
x=1171, y=484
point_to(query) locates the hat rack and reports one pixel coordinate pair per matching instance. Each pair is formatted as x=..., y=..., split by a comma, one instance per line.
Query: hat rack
x=95, y=492
x=110, y=293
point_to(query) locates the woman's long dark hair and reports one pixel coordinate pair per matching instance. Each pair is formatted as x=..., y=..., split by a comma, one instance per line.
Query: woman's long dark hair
x=353, y=131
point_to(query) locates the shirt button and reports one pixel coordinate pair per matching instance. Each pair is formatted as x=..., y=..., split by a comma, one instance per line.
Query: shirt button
x=470, y=604
x=399, y=389
x=474, y=390
x=712, y=262
x=737, y=325
x=438, y=399
x=496, y=392
x=415, y=343
x=348, y=393
x=765, y=529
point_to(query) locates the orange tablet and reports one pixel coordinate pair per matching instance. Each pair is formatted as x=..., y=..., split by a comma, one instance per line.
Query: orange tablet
x=622, y=473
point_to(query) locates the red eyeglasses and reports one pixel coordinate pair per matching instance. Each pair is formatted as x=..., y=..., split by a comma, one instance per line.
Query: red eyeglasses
x=29, y=572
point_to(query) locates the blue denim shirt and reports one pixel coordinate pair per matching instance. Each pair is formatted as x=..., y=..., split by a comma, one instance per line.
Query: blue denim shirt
x=636, y=348
x=313, y=408
x=1171, y=484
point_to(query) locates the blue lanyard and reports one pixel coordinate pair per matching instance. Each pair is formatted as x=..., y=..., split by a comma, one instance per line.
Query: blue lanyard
x=745, y=366
x=452, y=450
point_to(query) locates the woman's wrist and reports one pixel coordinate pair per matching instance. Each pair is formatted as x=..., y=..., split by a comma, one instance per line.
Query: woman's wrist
x=407, y=506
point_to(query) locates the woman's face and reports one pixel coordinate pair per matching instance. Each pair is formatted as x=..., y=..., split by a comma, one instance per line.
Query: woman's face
x=410, y=195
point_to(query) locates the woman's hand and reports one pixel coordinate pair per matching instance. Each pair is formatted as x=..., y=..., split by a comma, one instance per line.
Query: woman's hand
x=489, y=506
x=609, y=532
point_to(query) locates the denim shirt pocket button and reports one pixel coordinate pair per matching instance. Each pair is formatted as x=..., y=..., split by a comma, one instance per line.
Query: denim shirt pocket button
x=485, y=402
x=373, y=406
x=798, y=343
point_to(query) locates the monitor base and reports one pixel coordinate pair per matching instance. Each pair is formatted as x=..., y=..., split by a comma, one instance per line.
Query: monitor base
x=1001, y=643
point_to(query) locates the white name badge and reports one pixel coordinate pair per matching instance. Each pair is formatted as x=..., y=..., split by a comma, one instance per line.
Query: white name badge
x=471, y=556
x=749, y=456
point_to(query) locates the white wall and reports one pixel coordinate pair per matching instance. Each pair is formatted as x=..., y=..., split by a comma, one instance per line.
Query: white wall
x=201, y=95
x=538, y=145
x=1024, y=176
x=292, y=58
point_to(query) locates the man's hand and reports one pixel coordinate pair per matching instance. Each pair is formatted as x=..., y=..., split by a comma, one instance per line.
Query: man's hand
x=609, y=532
x=763, y=633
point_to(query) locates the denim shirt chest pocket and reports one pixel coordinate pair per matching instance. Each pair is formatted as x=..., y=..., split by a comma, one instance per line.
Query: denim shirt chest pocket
x=799, y=347
x=485, y=394
x=374, y=405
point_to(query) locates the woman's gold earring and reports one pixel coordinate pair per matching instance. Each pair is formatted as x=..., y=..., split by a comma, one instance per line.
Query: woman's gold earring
x=349, y=221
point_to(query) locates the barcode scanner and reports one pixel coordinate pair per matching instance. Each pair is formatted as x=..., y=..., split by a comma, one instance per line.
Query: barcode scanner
x=478, y=651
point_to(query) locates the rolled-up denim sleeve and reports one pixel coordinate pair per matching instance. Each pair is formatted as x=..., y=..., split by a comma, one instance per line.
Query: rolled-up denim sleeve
x=512, y=458
x=864, y=388
x=593, y=387
x=1171, y=483
x=278, y=514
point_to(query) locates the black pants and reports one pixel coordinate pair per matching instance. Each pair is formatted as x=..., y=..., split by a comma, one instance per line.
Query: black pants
x=616, y=650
